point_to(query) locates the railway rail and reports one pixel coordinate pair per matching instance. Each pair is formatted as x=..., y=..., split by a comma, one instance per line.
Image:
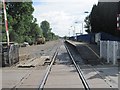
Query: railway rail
x=45, y=78
x=78, y=69
x=106, y=80
x=26, y=69
x=48, y=71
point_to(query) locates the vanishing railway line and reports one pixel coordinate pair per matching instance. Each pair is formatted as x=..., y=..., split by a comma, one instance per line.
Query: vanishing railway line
x=79, y=71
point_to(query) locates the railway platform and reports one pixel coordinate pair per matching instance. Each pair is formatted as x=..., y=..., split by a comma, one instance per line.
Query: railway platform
x=97, y=75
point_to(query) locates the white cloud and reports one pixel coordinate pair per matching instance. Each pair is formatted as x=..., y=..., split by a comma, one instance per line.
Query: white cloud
x=59, y=21
x=62, y=13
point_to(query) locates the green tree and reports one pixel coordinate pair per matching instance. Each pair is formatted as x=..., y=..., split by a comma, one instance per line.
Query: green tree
x=20, y=18
x=88, y=25
x=22, y=25
x=45, y=26
x=94, y=19
x=36, y=31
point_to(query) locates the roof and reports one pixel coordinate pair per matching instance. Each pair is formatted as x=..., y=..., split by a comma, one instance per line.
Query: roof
x=108, y=0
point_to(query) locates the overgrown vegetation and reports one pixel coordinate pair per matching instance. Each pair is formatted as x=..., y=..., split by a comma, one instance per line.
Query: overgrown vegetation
x=46, y=29
x=23, y=26
x=88, y=24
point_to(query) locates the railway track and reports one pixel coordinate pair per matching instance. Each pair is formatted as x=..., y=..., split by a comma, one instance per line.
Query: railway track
x=27, y=69
x=60, y=72
x=107, y=80
x=48, y=71
x=78, y=69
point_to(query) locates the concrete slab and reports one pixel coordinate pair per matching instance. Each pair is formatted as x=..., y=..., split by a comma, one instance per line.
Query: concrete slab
x=110, y=74
x=11, y=77
x=34, y=62
x=101, y=77
x=33, y=81
x=22, y=77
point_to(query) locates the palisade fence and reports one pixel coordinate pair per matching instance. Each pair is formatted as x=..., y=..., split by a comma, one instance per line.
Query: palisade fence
x=0, y=55
x=10, y=55
x=110, y=51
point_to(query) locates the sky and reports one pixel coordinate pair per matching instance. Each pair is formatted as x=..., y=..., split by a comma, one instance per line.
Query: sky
x=62, y=14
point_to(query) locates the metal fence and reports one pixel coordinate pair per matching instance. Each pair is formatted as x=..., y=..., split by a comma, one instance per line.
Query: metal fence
x=110, y=51
x=0, y=55
x=10, y=55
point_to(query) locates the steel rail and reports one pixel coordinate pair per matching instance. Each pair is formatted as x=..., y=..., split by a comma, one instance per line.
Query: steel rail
x=78, y=70
x=95, y=69
x=41, y=86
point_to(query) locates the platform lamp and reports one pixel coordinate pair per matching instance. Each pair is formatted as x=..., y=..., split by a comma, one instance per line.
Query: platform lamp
x=81, y=31
x=118, y=21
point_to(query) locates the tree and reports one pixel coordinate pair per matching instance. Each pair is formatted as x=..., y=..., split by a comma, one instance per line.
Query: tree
x=20, y=18
x=45, y=26
x=22, y=24
x=46, y=30
x=94, y=19
x=88, y=24
x=35, y=29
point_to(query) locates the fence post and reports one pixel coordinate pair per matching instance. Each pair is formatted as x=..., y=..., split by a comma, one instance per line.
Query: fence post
x=100, y=49
x=114, y=52
x=118, y=50
x=108, y=49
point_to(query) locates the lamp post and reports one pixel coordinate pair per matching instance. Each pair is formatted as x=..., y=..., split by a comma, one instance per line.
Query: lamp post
x=81, y=30
x=73, y=30
x=69, y=33
x=74, y=34
x=82, y=24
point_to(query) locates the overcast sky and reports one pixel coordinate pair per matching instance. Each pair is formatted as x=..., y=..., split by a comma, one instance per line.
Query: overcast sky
x=62, y=14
